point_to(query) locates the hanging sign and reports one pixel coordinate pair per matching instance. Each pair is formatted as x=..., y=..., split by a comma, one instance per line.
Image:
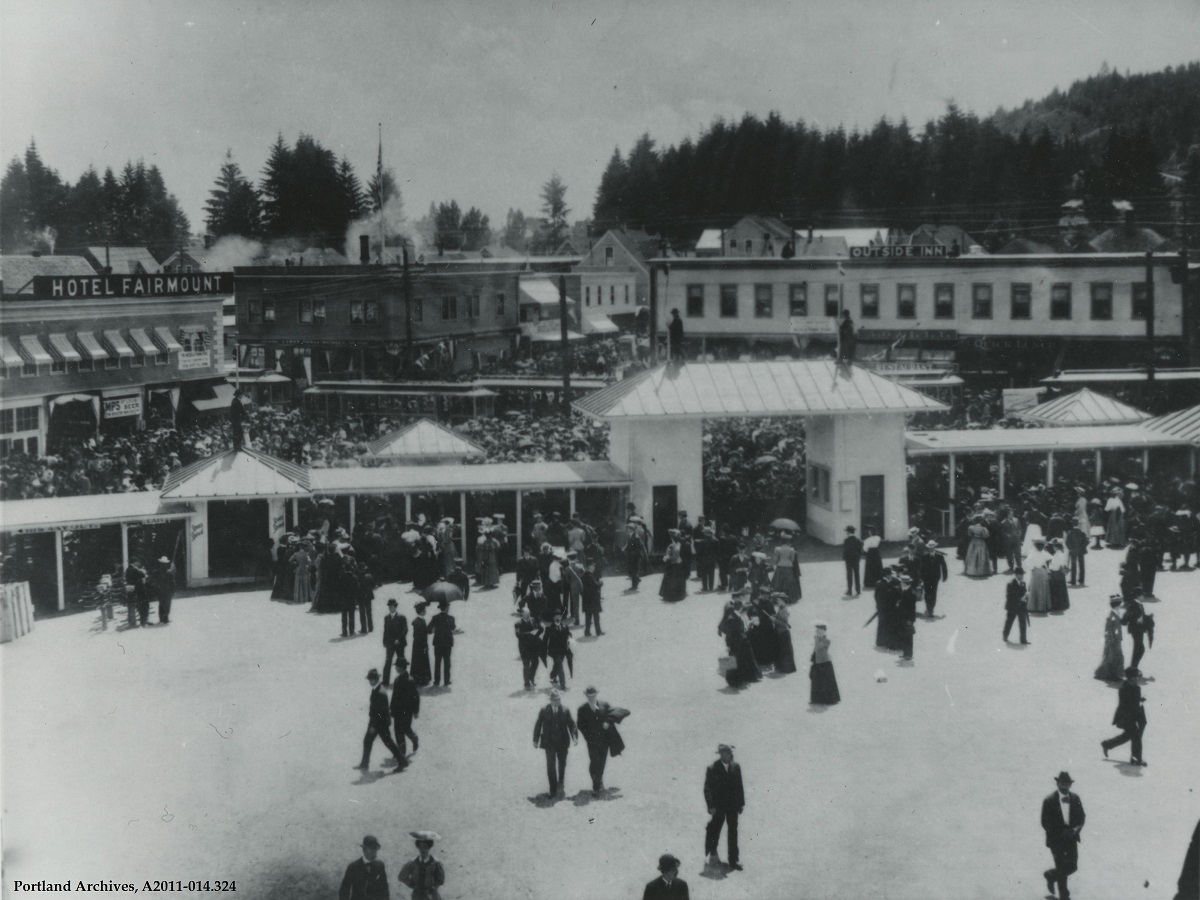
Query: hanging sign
x=123, y=406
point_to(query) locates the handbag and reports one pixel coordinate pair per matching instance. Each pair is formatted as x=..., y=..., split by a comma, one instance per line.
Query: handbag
x=726, y=664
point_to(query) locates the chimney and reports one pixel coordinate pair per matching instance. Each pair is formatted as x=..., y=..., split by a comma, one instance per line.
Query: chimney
x=810, y=235
x=364, y=249
x=208, y=242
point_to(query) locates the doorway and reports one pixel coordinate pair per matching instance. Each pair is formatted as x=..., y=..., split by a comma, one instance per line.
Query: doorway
x=871, y=499
x=237, y=529
x=666, y=513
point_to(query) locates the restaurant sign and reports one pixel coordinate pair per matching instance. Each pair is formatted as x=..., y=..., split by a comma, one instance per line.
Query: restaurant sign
x=72, y=287
x=194, y=359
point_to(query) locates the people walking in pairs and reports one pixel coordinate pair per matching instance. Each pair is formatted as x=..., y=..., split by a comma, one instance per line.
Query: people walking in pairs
x=554, y=732
x=1130, y=717
x=406, y=706
x=379, y=725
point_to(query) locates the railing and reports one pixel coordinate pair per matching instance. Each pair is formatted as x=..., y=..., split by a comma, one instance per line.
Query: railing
x=16, y=611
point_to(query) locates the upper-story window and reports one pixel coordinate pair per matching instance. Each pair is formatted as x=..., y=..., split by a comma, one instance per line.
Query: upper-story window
x=906, y=301
x=1140, y=298
x=869, y=296
x=833, y=299
x=729, y=301
x=1102, y=296
x=449, y=308
x=587, y=296
x=943, y=301
x=1060, y=301
x=608, y=256
x=1022, y=301
x=798, y=299
x=695, y=301
x=499, y=305
x=981, y=301
x=764, y=301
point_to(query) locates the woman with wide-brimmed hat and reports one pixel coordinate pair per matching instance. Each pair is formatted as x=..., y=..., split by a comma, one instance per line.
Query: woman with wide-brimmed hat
x=674, y=580
x=824, y=688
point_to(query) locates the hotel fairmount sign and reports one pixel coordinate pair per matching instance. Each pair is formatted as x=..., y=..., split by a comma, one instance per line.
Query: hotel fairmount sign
x=82, y=287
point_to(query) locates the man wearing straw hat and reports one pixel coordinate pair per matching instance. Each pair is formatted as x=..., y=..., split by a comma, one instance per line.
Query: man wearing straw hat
x=423, y=874
x=366, y=877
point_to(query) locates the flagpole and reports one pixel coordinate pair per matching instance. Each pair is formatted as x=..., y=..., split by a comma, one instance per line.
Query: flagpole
x=379, y=184
x=841, y=308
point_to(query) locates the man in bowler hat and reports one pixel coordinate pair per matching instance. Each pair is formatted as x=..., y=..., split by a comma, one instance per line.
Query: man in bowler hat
x=1062, y=820
x=379, y=724
x=668, y=885
x=395, y=639
x=1016, y=604
x=1130, y=717
x=551, y=732
x=365, y=878
x=725, y=798
x=442, y=625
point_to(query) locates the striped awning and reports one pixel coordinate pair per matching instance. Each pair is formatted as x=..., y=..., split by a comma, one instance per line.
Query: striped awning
x=12, y=359
x=143, y=342
x=33, y=346
x=91, y=346
x=168, y=339
x=117, y=343
x=61, y=347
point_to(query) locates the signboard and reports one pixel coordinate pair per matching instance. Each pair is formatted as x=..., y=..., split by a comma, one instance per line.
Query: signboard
x=799, y=325
x=194, y=359
x=908, y=366
x=197, y=531
x=123, y=406
x=1014, y=343
x=929, y=251
x=77, y=287
x=1018, y=399
x=909, y=334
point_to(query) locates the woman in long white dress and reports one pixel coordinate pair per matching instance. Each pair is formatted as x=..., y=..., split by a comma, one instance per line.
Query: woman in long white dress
x=1039, y=578
x=1114, y=533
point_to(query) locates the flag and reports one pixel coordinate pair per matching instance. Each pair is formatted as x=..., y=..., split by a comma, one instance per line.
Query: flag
x=841, y=270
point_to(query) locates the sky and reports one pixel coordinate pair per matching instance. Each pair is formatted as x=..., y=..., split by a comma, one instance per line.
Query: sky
x=482, y=101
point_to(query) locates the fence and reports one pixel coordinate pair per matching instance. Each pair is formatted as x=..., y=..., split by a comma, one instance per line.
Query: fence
x=16, y=611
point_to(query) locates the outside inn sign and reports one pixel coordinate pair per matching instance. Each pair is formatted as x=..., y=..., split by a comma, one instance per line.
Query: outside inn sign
x=74, y=287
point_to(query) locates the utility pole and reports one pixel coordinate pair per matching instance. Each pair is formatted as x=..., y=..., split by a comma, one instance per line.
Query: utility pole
x=565, y=344
x=653, y=329
x=406, y=285
x=1150, y=317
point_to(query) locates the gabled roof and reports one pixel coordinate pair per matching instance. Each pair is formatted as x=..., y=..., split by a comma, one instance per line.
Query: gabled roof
x=17, y=271
x=125, y=260
x=1084, y=407
x=424, y=438
x=1033, y=440
x=736, y=389
x=1183, y=423
x=855, y=237
x=1123, y=239
x=768, y=224
x=940, y=235
x=237, y=474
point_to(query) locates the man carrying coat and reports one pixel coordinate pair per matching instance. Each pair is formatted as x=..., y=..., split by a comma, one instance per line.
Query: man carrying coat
x=551, y=732
x=598, y=725
x=1062, y=820
x=725, y=798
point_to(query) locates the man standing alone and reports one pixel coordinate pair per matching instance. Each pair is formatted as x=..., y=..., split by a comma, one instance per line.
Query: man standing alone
x=1062, y=820
x=442, y=626
x=852, y=550
x=725, y=798
x=395, y=638
x=1016, y=604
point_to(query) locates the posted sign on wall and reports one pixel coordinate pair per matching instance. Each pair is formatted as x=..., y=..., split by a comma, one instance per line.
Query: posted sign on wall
x=119, y=407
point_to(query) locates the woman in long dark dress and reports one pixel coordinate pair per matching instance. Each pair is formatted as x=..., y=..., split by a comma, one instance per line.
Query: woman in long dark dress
x=1112, y=666
x=786, y=577
x=785, y=656
x=872, y=561
x=674, y=580
x=419, y=668
x=1056, y=566
x=762, y=631
x=284, y=583
x=824, y=690
x=735, y=628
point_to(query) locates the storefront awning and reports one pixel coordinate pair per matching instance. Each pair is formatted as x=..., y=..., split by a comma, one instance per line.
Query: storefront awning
x=61, y=347
x=224, y=397
x=117, y=344
x=143, y=342
x=168, y=339
x=12, y=359
x=594, y=323
x=91, y=346
x=553, y=337
x=32, y=345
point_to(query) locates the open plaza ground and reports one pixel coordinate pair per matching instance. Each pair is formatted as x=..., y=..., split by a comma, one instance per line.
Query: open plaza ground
x=222, y=746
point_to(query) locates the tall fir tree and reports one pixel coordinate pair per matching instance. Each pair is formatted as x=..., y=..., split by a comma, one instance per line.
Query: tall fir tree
x=233, y=205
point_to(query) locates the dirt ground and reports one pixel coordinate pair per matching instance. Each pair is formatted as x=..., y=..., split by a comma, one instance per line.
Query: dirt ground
x=222, y=746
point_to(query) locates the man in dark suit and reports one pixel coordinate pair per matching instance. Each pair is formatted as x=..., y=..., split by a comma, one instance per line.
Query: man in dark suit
x=1135, y=621
x=551, y=732
x=933, y=572
x=906, y=615
x=406, y=706
x=668, y=886
x=1077, y=547
x=1062, y=820
x=725, y=798
x=1130, y=717
x=237, y=420
x=365, y=878
x=379, y=725
x=852, y=551
x=556, y=643
x=395, y=639
x=594, y=725
x=529, y=633
x=442, y=626
x=136, y=591
x=1016, y=604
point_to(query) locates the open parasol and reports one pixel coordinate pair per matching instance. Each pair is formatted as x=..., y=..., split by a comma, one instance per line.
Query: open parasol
x=441, y=591
x=785, y=525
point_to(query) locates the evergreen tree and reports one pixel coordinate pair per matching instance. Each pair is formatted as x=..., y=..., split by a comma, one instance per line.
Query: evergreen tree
x=305, y=196
x=555, y=210
x=515, y=226
x=447, y=222
x=610, y=206
x=358, y=202
x=476, y=230
x=14, y=208
x=381, y=190
x=233, y=206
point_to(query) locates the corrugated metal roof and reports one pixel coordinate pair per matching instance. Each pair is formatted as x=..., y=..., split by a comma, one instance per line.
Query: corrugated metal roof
x=92, y=509
x=1183, y=423
x=1120, y=376
x=450, y=478
x=237, y=474
x=1033, y=440
x=126, y=260
x=1084, y=407
x=735, y=389
x=9, y=354
x=424, y=438
x=167, y=338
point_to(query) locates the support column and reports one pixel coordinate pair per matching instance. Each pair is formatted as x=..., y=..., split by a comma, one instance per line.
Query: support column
x=1145, y=461
x=1000, y=471
x=1049, y=468
x=520, y=526
x=353, y=509
x=295, y=512
x=953, y=489
x=58, y=568
x=408, y=509
x=462, y=515
x=1099, y=468
x=571, y=508
x=1192, y=463
x=124, y=546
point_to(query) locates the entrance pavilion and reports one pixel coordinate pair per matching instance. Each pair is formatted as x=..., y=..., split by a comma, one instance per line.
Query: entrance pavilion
x=854, y=424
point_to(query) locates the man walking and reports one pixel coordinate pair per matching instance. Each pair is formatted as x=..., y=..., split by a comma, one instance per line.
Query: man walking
x=529, y=644
x=668, y=886
x=906, y=616
x=598, y=725
x=379, y=724
x=1016, y=604
x=556, y=645
x=636, y=554
x=933, y=572
x=591, y=600
x=1062, y=820
x=852, y=551
x=406, y=706
x=442, y=626
x=1077, y=548
x=365, y=878
x=1135, y=621
x=1130, y=717
x=725, y=798
x=551, y=732
x=395, y=639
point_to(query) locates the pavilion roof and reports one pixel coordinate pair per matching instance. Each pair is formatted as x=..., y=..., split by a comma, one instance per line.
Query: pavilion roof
x=1084, y=407
x=424, y=438
x=1036, y=440
x=1183, y=423
x=237, y=474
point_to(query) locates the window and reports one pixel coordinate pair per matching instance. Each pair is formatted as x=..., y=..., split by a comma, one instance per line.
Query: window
x=268, y=310
x=1141, y=301
x=449, y=309
x=418, y=310
x=612, y=295
x=256, y=356
x=1102, y=300
x=255, y=316
x=608, y=256
x=306, y=312
x=1022, y=301
x=818, y=485
x=139, y=358
x=371, y=310
x=869, y=296
x=729, y=301
x=57, y=366
x=749, y=246
x=28, y=418
x=981, y=301
x=499, y=306
x=733, y=244
x=764, y=301
x=7, y=417
x=798, y=299
x=86, y=363
x=312, y=312
x=833, y=296
x=473, y=306
x=906, y=301
x=1060, y=301
x=626, y=295
x=695, y=301
x=587, y=296
x=113, y=362
x=356, y=312
x=943, y=301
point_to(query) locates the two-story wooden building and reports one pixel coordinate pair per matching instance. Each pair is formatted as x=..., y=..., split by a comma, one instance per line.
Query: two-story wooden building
x=615, y=277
